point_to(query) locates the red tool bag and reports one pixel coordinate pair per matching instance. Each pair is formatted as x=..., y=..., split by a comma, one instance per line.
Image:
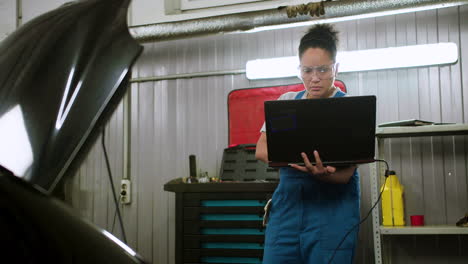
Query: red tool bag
x=246, y=114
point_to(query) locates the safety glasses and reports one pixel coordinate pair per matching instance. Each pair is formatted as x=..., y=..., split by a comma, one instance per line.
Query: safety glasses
x=322, y=72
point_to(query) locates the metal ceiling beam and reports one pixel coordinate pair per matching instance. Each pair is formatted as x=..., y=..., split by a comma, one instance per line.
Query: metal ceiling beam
x=250, y=20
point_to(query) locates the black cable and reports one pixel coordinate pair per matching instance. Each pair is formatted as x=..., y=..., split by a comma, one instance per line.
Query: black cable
x=365, y=218
x=113, y=221
x=112, y=186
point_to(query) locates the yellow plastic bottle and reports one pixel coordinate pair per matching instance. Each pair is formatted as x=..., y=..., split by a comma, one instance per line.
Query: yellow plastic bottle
x=392, y=202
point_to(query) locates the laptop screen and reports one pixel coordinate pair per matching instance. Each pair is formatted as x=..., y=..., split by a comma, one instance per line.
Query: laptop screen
x=341, y=129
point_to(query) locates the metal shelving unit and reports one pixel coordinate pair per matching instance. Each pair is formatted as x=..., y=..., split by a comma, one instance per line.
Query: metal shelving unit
x=424, y=230
x=378, y=170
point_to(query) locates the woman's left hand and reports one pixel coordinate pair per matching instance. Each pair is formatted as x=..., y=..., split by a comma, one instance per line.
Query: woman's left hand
x=318, y=169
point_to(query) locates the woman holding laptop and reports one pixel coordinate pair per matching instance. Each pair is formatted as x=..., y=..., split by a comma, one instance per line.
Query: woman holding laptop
x=314, y=206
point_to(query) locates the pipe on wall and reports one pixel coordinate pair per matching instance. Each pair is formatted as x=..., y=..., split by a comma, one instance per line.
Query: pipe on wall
x=187, y=76
x=250, y=20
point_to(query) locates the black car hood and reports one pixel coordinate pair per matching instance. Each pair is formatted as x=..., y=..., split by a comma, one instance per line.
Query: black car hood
x=61, y=75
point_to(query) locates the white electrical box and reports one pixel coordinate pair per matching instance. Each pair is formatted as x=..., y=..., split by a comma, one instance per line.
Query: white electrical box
x=125, y=191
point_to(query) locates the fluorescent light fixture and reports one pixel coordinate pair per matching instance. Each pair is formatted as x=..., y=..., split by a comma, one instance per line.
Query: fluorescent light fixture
x=397, y=57
x=272, y=68
x=361, y=60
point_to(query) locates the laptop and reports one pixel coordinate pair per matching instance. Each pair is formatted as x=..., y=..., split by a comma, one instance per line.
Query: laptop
x=341, y=129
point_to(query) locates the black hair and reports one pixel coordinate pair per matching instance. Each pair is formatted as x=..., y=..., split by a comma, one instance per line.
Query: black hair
x=323, y=36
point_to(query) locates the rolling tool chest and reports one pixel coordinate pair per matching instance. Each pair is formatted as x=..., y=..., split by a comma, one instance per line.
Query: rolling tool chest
x=220, y=222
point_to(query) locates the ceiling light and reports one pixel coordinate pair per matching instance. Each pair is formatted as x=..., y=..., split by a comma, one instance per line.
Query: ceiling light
x=361, y=60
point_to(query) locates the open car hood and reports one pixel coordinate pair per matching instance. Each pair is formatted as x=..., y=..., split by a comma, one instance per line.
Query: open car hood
x=62, y=74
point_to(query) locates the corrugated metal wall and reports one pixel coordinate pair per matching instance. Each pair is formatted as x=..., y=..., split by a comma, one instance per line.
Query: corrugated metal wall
x=171, y=119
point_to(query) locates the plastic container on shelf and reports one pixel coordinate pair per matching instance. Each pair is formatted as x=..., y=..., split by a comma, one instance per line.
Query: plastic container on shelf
x=392, y=202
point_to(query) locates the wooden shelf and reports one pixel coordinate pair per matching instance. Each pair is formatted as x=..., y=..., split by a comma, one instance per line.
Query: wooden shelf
x=422, y=131
x=424, y=230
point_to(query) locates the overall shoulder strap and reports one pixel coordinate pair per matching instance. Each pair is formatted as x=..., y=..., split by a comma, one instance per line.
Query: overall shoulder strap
x=339, y=94
x=299, y=95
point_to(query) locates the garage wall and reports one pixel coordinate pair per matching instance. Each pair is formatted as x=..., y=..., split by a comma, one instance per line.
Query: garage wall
x=171, y=119
x=7, y=18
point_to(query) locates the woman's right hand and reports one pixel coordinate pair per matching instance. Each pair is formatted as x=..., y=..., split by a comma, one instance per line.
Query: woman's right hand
x=318, y=169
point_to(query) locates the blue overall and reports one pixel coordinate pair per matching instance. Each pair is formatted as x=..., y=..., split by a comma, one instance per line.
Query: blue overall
x=309, y=218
